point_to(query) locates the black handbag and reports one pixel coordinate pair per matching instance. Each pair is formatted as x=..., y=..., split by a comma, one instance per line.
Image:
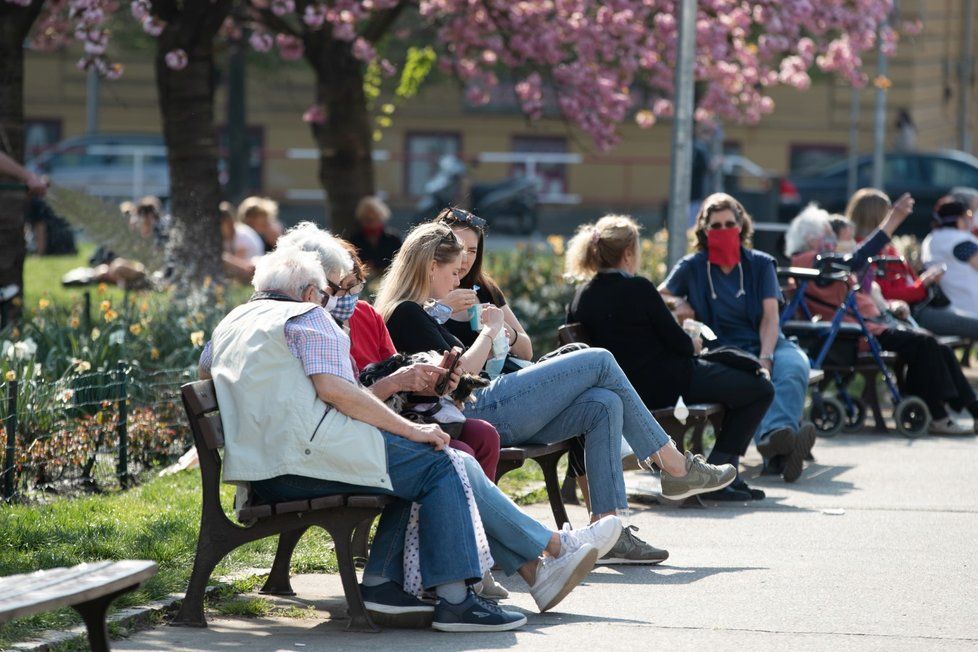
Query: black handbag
x=735, y=358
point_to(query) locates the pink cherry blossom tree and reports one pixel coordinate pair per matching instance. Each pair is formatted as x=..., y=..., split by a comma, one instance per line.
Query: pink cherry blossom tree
x=597, y=63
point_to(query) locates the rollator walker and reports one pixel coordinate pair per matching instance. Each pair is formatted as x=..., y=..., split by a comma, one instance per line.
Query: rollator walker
x=829, y=414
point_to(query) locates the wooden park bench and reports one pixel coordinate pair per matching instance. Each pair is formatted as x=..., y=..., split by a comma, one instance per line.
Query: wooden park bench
x=547, y=456
x=89, y=589
x=346, y=517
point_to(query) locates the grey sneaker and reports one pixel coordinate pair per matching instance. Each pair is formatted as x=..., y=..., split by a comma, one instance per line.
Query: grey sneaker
x=489, y=589
x=700, y=478
x=632, y=550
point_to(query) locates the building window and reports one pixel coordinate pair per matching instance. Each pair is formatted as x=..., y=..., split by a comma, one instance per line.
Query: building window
x=539, y=161
x=40, y=135
x=423, y=151
x=807, y=156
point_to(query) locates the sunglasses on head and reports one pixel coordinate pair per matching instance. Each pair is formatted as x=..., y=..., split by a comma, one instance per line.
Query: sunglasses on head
x=460, y=216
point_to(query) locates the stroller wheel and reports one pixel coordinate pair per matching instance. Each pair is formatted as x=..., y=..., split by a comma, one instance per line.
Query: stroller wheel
x=856, y=420
x=828, y=414
x=912, y=417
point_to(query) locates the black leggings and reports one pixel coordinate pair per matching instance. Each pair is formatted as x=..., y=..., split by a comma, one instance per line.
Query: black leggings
x=746, y=398
x=933, y=372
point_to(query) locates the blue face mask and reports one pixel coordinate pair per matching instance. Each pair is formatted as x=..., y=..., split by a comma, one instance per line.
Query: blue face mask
x=438, y=311
x=344, y=307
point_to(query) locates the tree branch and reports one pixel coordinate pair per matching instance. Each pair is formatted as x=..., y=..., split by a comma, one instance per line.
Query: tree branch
x=277, y=23
x=381, y=22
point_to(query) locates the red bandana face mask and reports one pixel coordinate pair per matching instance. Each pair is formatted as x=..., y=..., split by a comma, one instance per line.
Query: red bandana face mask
x=723, y=246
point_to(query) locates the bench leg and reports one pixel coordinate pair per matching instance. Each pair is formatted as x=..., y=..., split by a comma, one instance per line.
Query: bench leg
x=278, y=582
x=872, y=399
x=548, y=463
x=342, y=530
x=361, y=543
x=93, y=613
x=966, y=355
x=208, y=556
x=568, y=490
x=696, y=441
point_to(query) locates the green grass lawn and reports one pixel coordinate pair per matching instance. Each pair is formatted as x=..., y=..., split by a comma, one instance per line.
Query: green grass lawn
x=159, y=521
x=42, y=279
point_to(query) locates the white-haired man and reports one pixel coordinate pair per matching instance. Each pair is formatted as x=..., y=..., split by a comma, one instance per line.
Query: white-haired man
x=297, y=425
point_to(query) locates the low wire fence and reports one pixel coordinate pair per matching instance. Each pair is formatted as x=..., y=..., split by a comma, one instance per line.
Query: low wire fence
x=90, y=432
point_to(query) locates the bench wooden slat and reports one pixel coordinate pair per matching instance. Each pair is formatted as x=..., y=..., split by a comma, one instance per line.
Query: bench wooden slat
x=327, y=502
x=291, y=507
x=518, y=453
x=31, y=593
x=815, y=376
x=201, y=398
x=253, y=513
x=212, y=431
x=370, y=502
x=572, y=334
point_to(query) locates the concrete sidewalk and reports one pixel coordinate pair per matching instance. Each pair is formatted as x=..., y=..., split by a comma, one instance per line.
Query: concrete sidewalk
x=873, y=549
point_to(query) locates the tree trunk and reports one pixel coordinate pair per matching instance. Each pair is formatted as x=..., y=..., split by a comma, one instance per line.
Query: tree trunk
x=187, y=108
x=15, y=23
x=346, y=169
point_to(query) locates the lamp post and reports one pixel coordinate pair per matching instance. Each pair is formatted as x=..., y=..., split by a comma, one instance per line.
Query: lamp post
x=682, y=132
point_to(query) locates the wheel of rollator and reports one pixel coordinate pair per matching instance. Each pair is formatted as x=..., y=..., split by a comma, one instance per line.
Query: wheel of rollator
x=855, y=421
x=912, y=417
x=829, y=416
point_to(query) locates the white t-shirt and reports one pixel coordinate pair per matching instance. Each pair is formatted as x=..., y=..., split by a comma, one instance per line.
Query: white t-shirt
x=247, y=243
x=960, y=282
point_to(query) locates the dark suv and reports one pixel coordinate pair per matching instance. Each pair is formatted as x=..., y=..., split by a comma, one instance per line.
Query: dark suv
x=925, y=175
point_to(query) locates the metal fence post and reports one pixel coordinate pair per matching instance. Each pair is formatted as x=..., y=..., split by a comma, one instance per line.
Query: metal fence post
x=122, y=426
x=8, y=460
x=87, y=314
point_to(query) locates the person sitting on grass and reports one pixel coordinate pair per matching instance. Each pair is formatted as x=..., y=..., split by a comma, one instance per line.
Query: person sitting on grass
x=297, y=425
x=621, y=311
x=579, y=393
x=933, y=371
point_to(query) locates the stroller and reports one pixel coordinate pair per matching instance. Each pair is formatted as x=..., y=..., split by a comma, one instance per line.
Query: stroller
x=834, y=348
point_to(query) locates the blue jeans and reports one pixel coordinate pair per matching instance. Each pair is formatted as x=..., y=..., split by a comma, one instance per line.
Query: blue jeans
x=514, y=537
x=790, y=380
x=420, y=474
x=580, y=393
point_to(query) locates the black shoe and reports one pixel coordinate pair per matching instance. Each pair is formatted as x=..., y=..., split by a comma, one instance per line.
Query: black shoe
x=390, y=606
x=475, y=614
x=802, y=444
x=776, y=443
x=773, y=465
x=740, y=485
x=728, y=494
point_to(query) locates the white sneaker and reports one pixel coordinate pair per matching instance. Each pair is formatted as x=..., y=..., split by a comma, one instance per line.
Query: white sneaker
x=557, y=576
x=602, y=534
x=948, y=426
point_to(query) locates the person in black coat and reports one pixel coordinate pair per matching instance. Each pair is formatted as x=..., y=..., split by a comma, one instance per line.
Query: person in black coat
x=624, y=313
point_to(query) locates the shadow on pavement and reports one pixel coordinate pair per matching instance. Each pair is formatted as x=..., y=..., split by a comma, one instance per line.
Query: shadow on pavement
x=663, y=574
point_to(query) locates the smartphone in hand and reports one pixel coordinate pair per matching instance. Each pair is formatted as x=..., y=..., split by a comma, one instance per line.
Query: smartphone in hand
x=449, y=362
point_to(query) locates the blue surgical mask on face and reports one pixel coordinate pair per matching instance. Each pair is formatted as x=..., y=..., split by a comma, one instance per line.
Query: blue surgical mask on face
x=438, y=311
x=344, y=306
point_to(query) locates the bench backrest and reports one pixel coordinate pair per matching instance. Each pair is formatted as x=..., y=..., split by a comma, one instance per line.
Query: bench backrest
x=572, y=334
x=200, y=403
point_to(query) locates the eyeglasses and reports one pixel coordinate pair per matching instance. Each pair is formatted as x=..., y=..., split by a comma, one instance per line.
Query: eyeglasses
x=339, y=290
x=464, y=217
x=723, y=225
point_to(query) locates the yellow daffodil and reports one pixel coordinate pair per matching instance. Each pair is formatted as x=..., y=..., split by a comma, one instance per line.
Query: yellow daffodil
x=105, y=306
x=197, y=338
x=43, y=303
x=155, y=354
x=135, y=329
x=95, y=333
x=74, y=322
x=11, y=376
x=102, y=287
x=110, y=314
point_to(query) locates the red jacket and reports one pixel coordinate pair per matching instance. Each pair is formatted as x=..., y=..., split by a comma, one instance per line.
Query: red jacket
x=900, y=282
x=369, y=340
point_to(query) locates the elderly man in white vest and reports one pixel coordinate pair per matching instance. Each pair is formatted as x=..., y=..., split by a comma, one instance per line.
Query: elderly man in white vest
x=297, y=425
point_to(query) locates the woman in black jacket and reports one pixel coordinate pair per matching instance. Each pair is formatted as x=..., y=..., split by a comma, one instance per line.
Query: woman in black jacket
x=624, y=313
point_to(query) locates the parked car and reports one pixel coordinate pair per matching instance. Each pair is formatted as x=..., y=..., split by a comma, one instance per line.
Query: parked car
x=111, y=166
x=925, y=175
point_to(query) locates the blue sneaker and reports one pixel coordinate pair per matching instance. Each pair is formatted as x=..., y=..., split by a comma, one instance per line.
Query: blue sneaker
x=474, y=614
x=390, y=606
